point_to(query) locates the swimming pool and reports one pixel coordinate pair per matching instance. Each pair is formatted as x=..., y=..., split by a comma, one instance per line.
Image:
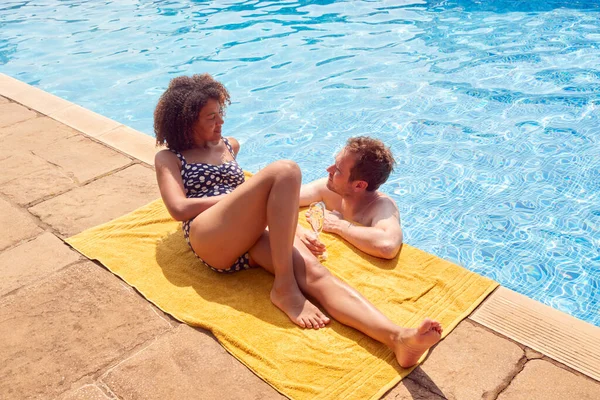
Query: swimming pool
x=491, y=108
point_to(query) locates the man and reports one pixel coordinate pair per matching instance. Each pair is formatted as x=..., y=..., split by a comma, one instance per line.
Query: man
x=356, y=210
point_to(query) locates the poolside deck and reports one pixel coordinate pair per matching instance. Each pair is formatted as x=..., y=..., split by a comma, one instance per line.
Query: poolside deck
x=72, y=330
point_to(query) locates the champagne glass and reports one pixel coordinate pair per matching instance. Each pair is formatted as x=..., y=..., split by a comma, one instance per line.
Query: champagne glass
x=316, y=218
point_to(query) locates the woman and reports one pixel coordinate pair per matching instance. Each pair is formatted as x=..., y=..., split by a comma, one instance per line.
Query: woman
x=232, y=224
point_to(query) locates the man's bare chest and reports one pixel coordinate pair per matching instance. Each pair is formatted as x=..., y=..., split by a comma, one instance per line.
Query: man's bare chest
x=336, y=203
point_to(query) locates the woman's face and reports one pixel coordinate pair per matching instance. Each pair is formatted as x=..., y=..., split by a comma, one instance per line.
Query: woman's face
x=210, y=120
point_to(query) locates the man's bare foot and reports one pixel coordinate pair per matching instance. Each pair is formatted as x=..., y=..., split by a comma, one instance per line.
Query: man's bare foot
x=301, y=311
x=412, y=343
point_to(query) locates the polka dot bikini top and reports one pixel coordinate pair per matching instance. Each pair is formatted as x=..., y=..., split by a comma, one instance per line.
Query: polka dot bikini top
x=206, y=180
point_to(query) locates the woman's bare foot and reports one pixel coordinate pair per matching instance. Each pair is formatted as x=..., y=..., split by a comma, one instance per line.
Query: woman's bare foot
x=301, y=311
x=412, y=343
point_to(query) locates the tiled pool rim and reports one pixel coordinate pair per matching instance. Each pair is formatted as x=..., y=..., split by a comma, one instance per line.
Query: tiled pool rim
x=568, y=340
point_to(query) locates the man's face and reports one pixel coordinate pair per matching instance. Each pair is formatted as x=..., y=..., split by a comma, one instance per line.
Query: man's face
x=339, y=173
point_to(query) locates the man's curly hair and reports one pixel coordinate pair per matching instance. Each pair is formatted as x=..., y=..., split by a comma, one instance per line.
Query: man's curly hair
x=178, y=109
x=374, y=161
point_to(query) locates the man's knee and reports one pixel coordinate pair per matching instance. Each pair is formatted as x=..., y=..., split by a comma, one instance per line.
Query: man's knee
x=315, y=272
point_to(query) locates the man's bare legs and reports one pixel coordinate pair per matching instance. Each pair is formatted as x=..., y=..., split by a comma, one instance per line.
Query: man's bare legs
x=349, y=307
x=233, y=225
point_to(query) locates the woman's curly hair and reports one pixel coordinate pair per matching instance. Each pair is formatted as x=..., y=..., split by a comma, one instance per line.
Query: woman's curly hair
x=374, y=161
x=178, y=109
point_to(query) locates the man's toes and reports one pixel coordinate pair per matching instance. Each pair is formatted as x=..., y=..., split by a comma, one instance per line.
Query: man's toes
x=435, y=326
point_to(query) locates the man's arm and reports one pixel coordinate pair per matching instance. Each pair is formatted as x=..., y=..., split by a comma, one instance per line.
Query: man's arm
x=382, y=239
x=312, y=192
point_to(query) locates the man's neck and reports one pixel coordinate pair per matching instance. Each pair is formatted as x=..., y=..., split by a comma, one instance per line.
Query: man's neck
x=356, y=204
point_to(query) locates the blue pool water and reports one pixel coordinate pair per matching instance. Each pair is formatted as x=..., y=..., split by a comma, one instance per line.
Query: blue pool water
x=491, y=107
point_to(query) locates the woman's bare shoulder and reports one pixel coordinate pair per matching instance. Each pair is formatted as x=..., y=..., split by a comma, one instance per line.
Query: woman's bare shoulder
x=165, y=158
x=235, y=145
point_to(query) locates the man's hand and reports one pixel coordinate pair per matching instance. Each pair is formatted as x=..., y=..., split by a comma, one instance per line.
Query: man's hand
x=310, y=241
x=333, y=221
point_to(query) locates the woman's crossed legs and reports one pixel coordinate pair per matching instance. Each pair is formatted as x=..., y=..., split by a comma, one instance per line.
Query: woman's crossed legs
x=220, y=234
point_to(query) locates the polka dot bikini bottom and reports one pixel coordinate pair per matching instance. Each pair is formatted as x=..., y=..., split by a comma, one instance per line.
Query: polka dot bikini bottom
x=243, y=262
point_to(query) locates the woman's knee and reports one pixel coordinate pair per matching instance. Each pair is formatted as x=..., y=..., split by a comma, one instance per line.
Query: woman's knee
x=288, y=170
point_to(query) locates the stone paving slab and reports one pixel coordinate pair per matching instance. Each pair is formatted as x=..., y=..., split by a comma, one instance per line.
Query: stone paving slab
x=467, y=364
x=99, y=201
x=562, y=337
x=532, y=354
x=32, y=261
x=542, y=380
x=76, y=322
x=408, y=389
x=27, y=177
x=15, y=225
x=186, y=364
x=11, y=113
x=73, y=154
x=87, y=392
x=25, y=135
x=83, y=158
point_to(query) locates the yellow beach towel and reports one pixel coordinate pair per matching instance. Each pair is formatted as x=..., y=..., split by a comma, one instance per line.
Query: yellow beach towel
x=146, y=248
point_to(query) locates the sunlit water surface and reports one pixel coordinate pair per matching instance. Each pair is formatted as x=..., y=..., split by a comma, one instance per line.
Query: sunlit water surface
x=491, y=107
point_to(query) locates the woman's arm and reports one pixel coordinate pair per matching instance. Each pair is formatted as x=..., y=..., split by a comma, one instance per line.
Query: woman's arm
x=168, y=176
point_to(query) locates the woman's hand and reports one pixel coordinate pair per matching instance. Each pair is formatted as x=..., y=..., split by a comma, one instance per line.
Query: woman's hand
x=310, y=241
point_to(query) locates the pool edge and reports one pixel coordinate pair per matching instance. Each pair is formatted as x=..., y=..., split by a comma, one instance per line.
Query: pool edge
x=560, y=336
x=98, y=127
